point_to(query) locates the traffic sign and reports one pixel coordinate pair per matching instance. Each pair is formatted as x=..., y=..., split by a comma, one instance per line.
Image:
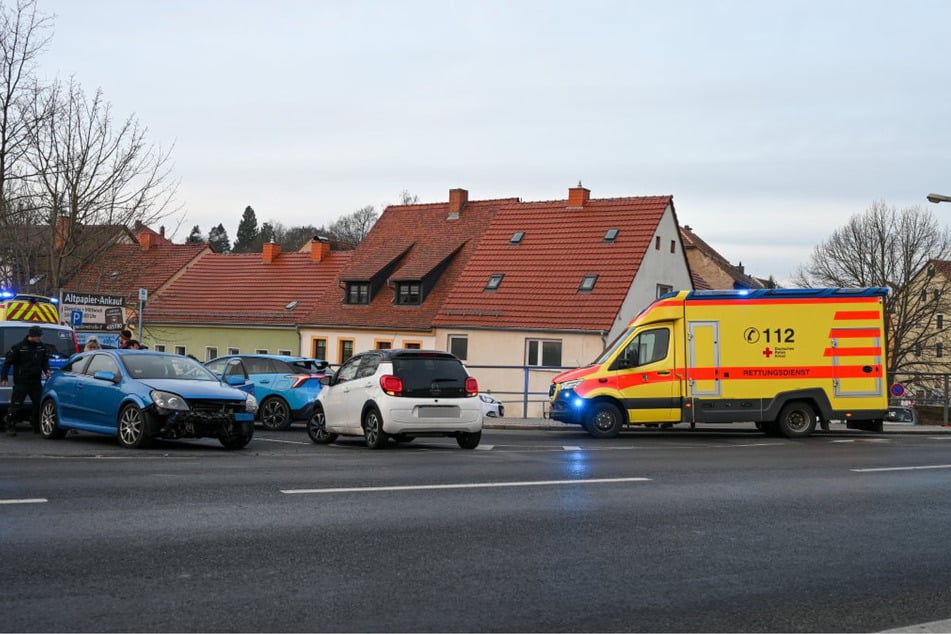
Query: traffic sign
x=76, y=318
x=143, y=294
x=897, y=389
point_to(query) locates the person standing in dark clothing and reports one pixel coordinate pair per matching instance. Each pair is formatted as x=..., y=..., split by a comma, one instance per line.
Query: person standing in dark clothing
x=30, y=361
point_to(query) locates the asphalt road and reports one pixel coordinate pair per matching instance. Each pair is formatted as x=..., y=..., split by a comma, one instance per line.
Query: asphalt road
x=534, y=531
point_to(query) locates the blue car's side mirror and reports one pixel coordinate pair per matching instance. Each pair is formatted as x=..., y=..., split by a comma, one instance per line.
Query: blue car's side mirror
x=233, y=379
x=104, y=375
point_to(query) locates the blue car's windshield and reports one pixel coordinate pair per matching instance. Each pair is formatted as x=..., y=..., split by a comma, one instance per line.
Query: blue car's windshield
x=146, y=366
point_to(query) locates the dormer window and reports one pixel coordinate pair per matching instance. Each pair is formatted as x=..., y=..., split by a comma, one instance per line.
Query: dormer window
x=409, y=293
x=587, y=283
x=611, y=235
x=516, y=238
x=494, y=282
x=358, y=293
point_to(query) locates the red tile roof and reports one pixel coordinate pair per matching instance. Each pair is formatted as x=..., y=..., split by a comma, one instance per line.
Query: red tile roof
x=542, y=273
x=431, y=237
x=241, y=289
x=125, y=268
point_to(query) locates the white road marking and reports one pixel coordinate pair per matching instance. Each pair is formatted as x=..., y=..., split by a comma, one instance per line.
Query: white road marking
x=25, y=501
x=571, y=448
x=485, y=447
x=934, y=466
x=933, y=626
x=471, y=485
x=289, y=442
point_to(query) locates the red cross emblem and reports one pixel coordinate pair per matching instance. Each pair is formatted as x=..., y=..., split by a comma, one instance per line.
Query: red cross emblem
x=767, y=353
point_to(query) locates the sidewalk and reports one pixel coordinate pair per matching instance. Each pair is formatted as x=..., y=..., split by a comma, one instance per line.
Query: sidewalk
x=544, y=424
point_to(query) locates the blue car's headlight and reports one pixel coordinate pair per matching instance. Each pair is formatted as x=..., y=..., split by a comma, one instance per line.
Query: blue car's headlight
x=169, y=401
x=250, y=404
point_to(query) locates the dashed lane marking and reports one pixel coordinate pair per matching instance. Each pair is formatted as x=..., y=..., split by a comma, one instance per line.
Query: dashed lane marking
x=470, y=485
x=918, y=468
x=287, y=442
x=25, y=501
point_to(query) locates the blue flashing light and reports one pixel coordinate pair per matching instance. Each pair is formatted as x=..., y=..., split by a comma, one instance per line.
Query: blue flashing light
x=577, y=402
x=7, y=294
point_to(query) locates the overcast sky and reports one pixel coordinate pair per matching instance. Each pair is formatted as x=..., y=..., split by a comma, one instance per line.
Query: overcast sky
x=770, y=122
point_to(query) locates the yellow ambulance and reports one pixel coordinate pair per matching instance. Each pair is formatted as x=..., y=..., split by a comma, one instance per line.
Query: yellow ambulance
x=785, y=359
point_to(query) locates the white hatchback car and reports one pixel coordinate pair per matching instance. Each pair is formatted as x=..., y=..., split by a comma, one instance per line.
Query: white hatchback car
x=400, y=394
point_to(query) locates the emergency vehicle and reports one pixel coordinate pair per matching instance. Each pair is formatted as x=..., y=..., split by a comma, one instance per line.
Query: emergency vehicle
x=17, y=314
x=782, y=358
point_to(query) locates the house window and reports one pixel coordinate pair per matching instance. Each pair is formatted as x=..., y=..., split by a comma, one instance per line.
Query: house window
x=412, y=345
x=234, y=351
x=261, y=351
x=494, y=282
x=459, y=346
x=285, y=353
x=940, y=319
x=319, y=347
x=611, y=235
x=924, y=294
x=344, y=349
x=180, y=350
x=939, y=349
x=663, y=289
x=516, y=238
x=917, y=349
x=211, y=353
x=358, y=292
x=673, y=246
x=383, y=344
x=408, y=293
x=657, y=243
x=160, y=347
x=543, y=352
x=587, y=283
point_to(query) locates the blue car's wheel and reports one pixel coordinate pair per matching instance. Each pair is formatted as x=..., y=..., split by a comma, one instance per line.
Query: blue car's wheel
x=49, y=421
x=274, y=413
x=133, y=430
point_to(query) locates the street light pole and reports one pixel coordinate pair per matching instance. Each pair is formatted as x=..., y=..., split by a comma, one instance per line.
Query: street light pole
x=939, y=198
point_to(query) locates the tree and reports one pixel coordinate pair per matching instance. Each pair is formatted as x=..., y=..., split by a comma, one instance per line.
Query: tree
x=23, y=36
x=248, y=239
x=267, y=233
x=354, y=227
x=89, y=171
x=407, y=198
x=895, y=249
x=218, y=239
x=195, y=236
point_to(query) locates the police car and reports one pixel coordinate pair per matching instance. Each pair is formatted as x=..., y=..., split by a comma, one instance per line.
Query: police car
x=17, y=314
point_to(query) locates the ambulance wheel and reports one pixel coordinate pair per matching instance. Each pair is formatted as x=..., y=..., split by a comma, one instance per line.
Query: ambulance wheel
x=797, y=420
x=604, y=421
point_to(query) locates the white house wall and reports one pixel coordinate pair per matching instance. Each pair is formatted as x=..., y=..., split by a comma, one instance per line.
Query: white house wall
x=659, y=266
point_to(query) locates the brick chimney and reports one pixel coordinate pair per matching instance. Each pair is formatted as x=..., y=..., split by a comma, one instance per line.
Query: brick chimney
x=578, y=196
x=319, y=249
x=270, y=252
x=457, y=200
x=63, y=227
x=147, y=240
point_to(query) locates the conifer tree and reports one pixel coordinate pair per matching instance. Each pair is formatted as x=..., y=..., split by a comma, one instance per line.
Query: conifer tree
x=218, y=239
x=247, y=239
